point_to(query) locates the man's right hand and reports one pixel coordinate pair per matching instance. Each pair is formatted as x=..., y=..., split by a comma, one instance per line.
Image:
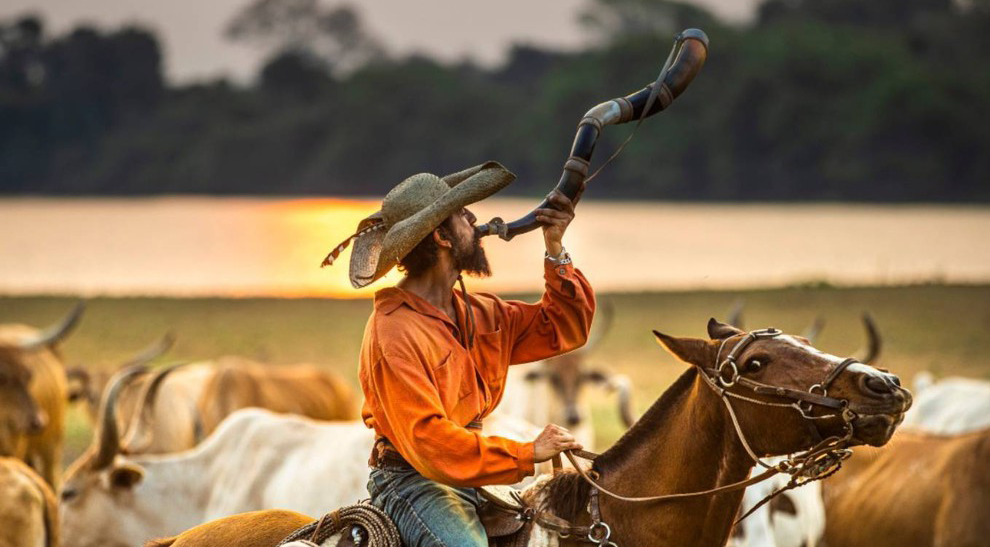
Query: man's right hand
x=552, y=441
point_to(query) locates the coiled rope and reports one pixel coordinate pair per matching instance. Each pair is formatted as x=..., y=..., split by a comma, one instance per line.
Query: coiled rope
x=376, y=527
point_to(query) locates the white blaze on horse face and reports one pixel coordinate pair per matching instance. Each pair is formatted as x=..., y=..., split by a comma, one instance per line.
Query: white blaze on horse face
x=833, y=360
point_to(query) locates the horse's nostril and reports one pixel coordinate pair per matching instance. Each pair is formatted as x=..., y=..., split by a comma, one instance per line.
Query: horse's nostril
x=877, y=384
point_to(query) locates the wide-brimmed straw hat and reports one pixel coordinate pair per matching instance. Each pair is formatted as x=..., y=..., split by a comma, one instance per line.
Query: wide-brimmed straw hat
x=410, y=211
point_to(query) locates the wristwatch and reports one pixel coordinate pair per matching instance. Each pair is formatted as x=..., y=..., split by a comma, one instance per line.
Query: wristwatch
x=559, y=260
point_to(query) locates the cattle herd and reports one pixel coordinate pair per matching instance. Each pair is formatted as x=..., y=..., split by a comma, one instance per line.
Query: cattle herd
x=179, y=445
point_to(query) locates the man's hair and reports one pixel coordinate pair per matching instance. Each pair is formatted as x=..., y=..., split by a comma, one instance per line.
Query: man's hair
x=424, y=254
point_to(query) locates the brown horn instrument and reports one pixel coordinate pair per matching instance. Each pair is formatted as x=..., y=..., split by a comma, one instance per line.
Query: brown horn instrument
x=686, y=59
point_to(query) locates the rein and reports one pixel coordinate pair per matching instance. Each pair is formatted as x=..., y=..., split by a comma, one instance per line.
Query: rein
x=816, y=463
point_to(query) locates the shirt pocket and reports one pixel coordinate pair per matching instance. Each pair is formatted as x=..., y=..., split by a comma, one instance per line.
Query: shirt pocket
x=454, y=377
x=491, y=363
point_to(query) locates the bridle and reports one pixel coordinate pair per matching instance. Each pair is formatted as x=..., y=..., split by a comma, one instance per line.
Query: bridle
x=818, y=462
x=726, y=374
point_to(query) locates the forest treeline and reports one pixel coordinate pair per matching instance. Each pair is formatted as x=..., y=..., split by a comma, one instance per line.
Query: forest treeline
x=879, y=100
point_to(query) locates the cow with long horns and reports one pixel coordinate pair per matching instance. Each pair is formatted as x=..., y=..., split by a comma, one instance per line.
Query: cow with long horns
x=33, y=392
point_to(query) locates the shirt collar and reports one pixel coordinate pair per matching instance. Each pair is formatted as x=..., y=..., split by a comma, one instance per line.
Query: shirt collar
x=390, y=299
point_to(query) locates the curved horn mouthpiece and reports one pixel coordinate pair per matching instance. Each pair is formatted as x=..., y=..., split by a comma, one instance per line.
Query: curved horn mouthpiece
x=684, y=62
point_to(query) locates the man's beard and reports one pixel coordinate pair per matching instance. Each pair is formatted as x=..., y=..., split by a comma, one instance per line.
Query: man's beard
x=469, y=257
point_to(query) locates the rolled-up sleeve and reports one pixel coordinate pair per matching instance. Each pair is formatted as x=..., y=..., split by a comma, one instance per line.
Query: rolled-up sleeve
x=437, y=447
x=558, y=323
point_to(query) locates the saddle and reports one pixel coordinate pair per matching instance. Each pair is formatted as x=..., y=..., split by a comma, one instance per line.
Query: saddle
x=505, y=516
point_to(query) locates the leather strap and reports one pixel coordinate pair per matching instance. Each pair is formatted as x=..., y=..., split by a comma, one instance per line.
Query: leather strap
x=719, y=490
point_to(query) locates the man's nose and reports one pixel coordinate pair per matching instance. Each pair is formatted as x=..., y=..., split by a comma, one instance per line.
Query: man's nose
x=470, y=217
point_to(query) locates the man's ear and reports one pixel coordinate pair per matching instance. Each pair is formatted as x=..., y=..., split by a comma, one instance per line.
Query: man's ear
x=126, y=476
x=721, y=331
x=441, y=239
x=692, y=351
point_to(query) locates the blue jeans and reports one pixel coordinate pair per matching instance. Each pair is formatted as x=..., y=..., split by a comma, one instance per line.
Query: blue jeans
x=427, y=513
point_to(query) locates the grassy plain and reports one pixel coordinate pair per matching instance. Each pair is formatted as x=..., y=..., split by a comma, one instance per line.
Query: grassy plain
x=943, y=329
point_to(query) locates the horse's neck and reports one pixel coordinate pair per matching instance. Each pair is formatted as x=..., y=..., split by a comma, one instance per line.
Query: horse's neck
x=685, y=443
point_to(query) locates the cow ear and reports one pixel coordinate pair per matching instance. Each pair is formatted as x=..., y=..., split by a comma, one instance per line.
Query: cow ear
x=721, y=331
x=126, y=476
x=692, y=351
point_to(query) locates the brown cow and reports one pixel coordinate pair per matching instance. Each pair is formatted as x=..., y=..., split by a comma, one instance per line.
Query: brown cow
x=255, y=528
x=193, y=399
x=294, y=389
x=922, y=490
x=28, y=512
x=33, y=394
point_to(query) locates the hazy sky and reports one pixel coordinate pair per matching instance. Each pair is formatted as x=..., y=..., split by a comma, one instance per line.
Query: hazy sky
x=191, y=30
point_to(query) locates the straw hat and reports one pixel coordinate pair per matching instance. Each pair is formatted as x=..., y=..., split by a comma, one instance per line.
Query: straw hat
x=410, y=211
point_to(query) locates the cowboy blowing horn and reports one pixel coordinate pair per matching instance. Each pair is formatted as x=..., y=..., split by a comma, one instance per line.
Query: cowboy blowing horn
x=683, y=64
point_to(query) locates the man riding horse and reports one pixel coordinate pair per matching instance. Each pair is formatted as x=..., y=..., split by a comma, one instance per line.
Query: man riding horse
x=434, y=360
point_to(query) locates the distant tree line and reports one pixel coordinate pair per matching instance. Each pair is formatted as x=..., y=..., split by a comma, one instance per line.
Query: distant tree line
x=885, y=100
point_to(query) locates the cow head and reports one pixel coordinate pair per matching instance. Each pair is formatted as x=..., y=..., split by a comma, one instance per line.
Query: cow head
x=20, y=415
x=568, y=374
x=104, y=482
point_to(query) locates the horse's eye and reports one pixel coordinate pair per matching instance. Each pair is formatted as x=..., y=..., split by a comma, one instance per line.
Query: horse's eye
x=754, y=365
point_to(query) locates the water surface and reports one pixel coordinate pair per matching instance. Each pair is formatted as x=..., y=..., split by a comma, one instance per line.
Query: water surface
x=245, y=247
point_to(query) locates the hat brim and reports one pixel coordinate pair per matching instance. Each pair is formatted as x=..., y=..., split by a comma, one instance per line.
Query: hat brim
x=376, y=253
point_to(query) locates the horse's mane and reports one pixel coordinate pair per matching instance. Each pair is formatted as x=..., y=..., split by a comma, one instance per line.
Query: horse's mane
x=566, y=494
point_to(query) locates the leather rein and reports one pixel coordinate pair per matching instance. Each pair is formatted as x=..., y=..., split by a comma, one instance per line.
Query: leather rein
x=816, y=463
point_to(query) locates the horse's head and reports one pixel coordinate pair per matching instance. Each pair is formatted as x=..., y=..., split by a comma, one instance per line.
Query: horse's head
x=788, y=396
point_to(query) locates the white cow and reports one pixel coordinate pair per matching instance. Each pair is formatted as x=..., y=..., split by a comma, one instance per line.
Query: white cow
x=949, y=406
x=793, y=518
x=255, y=460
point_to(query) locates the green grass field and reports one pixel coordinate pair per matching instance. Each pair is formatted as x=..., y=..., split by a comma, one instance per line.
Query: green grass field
x=938, y=328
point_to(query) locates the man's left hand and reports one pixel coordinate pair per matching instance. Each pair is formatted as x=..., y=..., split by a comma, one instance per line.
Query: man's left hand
x=555, y=221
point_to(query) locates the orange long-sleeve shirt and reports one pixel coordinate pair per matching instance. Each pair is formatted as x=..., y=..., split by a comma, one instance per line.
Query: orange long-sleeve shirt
x=422, y=386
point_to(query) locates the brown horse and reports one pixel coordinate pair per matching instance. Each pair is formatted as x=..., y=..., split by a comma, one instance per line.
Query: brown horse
x=689, y=441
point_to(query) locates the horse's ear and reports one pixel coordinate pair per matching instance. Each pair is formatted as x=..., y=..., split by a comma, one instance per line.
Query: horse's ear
x=721, y=331
x=693, y=351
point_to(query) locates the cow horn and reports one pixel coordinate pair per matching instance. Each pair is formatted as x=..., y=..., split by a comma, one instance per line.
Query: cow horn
x=735, y=317
x=814, y=329
x=874, y=344
x=108, y=436
x=600, y=328
x=55, y=333
x=152, y=352
x=621, y=384
x=140, y=426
